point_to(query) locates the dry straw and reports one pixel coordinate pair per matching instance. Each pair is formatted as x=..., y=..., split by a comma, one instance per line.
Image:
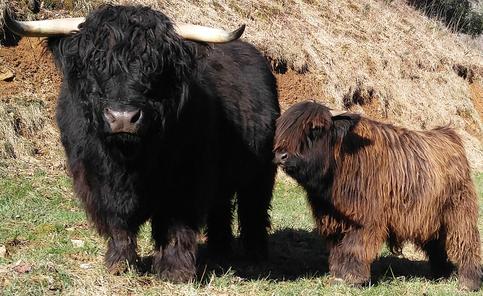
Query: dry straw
x=361, y=53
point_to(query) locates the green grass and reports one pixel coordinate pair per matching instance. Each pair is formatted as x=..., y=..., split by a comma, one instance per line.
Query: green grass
x=39, y=217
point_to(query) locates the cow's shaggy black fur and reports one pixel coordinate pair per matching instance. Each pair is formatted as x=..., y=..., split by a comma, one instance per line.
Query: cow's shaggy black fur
x=207, y=133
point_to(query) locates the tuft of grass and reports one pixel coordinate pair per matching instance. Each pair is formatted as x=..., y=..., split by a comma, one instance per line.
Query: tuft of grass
x=40, y=218
x=479, y=184
x=18, y=121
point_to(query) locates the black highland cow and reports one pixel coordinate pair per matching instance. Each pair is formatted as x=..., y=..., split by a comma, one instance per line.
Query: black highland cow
x=159, y=128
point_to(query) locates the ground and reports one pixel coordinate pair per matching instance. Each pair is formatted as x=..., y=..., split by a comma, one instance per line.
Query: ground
x=49, y=248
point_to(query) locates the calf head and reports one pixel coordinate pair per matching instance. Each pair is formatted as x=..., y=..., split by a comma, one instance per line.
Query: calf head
x=305, y=139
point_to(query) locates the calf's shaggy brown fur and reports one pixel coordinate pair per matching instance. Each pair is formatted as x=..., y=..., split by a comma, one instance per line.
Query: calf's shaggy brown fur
x=369, y=183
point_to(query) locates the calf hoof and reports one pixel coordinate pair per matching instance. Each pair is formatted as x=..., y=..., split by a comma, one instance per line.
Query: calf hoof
x=469, y=284
x=335, y=281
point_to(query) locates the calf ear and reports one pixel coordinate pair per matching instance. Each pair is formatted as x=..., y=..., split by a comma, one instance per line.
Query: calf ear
x=344, y=123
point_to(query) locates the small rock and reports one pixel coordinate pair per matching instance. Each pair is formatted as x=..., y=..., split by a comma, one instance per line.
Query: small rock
x=22, y=267
x=6, y=74
x=3, y=251
x=77, y=243
x=85, y=266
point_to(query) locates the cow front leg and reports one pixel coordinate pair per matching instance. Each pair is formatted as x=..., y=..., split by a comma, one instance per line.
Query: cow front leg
x=121, y=251
x=175, y=256
x=253, y=213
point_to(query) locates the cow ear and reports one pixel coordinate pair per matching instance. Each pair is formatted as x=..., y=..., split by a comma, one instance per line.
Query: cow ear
x=344, y=123
x=65, y=52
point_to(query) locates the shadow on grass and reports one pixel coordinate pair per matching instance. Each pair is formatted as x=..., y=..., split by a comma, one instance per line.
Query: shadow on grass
x=297, y=254
x=293, y=254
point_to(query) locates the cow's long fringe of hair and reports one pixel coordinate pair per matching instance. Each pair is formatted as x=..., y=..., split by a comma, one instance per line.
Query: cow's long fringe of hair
x=134, y=40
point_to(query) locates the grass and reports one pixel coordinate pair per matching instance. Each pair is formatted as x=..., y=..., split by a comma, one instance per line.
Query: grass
x=41, y=218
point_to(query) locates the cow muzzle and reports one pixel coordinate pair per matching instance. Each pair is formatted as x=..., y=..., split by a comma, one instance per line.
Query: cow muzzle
x=123, y=121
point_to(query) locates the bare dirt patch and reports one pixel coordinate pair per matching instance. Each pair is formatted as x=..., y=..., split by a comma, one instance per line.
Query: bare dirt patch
x=33, y=70
x=476, y=95
x=476, y=92
x=28, y=135
x=294, y=87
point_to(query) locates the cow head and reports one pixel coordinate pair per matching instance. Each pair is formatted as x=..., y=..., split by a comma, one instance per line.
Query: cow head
x=128, y=68
x=306, y=136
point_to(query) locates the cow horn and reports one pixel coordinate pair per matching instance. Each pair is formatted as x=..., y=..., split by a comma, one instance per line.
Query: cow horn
x=66, y=26
x=45, y=28
x=207, y=34
x=335, y=113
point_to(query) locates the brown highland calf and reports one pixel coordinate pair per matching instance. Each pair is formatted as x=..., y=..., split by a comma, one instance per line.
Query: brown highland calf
x=369, y=182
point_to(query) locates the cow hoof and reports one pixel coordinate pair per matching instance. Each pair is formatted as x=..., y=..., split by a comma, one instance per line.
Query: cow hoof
x=118, y=268
x=174, y=269
x=177, y=276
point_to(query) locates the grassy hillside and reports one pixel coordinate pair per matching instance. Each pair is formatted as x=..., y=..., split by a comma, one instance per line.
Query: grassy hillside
x=382, y=58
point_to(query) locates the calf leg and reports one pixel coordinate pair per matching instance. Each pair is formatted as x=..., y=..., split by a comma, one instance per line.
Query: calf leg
x=463, y=241
x=175, y=256
x=438, y=259
x=350, y=259
x=254, y=220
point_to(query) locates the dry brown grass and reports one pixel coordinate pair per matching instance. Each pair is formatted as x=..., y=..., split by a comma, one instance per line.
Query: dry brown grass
x=400, y=60
x=28, y=139
x=403, y=57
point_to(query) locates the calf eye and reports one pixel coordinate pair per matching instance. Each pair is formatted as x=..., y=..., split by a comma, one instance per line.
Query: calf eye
x=314, y=132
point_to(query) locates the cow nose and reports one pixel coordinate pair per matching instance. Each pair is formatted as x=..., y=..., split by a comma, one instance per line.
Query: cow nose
x=123, y=121
x=280, y=158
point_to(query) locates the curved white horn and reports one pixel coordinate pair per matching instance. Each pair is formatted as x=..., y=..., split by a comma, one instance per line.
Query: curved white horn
x=207, y=34
x=68, y=26
x=335, y=113
x=45, y=28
